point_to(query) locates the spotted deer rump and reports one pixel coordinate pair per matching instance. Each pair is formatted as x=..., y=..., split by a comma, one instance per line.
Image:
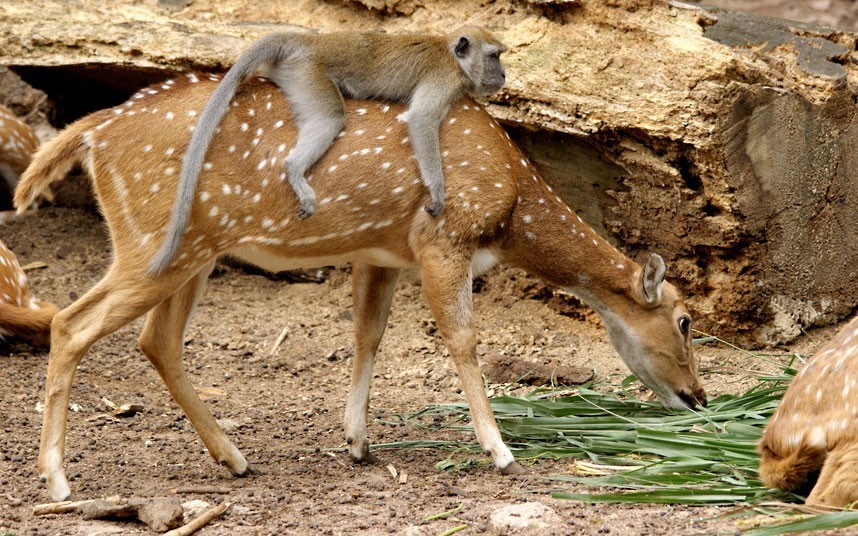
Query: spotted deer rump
x=812, y=439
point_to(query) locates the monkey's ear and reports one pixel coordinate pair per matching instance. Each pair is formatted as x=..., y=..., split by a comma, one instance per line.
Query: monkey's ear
x=462, y=47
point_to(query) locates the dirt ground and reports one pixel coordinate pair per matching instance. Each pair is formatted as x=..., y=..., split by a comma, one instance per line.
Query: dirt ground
x=286, y=408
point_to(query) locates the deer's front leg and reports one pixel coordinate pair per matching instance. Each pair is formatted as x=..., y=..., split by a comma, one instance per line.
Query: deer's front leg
x=372, y=292
x=447, y=284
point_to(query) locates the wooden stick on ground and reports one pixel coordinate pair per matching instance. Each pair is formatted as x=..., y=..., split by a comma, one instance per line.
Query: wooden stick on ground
x=280, y=338
x=64, y=507
x=200, y=521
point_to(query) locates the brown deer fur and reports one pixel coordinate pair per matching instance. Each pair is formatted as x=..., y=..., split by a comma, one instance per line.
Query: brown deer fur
x=369, y=212
x=21, y=315
x=814, y=431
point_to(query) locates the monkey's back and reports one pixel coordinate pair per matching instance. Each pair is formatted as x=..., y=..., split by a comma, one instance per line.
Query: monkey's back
x=384, y=66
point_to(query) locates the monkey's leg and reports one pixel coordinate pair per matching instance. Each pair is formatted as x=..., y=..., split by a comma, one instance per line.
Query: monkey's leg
x=320, y=115
x=428, y=107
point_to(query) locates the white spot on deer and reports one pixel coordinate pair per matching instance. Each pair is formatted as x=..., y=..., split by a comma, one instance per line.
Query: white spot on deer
x=236, y=189
x=245, y=127
x=385, y=108
x=169, y=116
x=397, y=190
x=230, y=149
x=155, y=188
x=261, y=164
x=404, y=140
x=255, y=142
x=343, y=157
x=523, y=162
x=463, y=164
x=251, y=111
x=193, y=78
x=207, y=165
x=256, y=197
x=267, y=223
x=278, y=124
x=466, y=131
x=385, y=165
x=325, y=201
x=361, y=111
x=341, y=197
x=204, y=196
x=400, y=170
x=332, y=168
x=529, y=235
x=527, y=218
x=452, y=120
x=361, y=185
x=245, y=155
x=816, y=438
x=377, y=150
x=225, y=189
x=213, y=211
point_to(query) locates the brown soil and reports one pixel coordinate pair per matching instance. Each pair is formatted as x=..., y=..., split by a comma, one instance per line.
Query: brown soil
x=287, y=407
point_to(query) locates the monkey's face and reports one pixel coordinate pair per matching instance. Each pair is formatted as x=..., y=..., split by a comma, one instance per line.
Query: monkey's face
x=478, y=53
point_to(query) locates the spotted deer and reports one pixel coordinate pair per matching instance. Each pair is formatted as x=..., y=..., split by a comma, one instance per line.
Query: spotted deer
x=813, y=434
x=369, y=212
x=18, y=142
x=21, y=315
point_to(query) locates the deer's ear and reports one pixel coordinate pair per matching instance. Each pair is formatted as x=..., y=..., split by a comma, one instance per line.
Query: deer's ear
x=652, y=280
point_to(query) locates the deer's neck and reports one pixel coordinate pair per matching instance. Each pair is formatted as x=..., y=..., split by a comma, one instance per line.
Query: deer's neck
x=548, y=239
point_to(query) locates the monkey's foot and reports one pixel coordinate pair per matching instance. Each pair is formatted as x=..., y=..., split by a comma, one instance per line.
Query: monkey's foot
x=434, y=208
x=307, y=208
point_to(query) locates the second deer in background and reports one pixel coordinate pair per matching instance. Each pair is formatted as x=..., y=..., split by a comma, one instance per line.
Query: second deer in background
x=814, y=431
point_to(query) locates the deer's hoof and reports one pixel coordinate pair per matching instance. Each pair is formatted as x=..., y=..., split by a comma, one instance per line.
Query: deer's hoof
x=514, y=468
x=250, y=471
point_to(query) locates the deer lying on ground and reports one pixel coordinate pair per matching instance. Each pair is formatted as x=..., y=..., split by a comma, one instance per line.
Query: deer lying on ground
x=21, y=315
x=18, y=142
x=814, y=432
x=370, y=213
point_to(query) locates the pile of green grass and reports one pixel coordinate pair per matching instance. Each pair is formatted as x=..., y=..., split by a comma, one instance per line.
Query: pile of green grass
x=644, y=453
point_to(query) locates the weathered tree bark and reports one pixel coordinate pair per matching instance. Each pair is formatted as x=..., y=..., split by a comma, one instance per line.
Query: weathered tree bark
x=725, y=142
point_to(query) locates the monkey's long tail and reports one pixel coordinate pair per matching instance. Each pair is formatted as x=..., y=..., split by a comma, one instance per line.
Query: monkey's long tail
x=267, y=49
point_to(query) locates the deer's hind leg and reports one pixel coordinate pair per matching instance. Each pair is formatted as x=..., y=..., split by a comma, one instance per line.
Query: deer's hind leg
x=120, y=297
x=372, y=292
x=162, y=342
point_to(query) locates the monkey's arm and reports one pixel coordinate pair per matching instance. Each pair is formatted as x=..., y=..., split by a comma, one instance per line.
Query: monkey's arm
x=429, y=105
x=266, y=50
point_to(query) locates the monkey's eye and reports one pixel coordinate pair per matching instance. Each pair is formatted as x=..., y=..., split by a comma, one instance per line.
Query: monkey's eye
x=685, y=325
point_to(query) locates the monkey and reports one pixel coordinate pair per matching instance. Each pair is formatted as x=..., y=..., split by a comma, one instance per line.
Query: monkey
x=315, y=71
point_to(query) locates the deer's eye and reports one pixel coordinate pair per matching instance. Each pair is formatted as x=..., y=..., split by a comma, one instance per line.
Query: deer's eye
x=685, y=325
